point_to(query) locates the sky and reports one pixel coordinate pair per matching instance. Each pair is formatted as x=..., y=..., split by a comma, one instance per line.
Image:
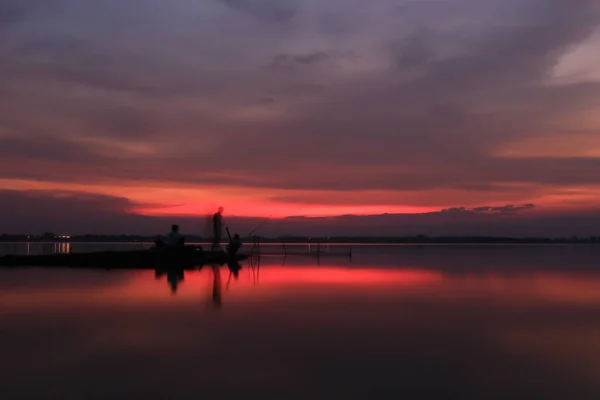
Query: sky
x=148, y=110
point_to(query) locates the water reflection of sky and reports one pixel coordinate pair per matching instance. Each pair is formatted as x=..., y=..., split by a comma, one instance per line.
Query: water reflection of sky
x=505, y=329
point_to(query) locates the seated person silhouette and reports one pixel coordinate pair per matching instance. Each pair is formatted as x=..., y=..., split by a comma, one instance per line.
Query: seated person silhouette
x=234, y=245
x=174, y=239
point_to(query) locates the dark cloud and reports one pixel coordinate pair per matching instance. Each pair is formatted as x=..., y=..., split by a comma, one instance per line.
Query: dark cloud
x=338, y=24
x=507, y=209
x=288, y=62
x=71, y=201
x=28, y=146
x=443, y=223
x=279, y=11
x=68, y=212
x=99, y=164
x=455, y=210
x=73, y=61
x=506, y=58
x=302, y=89
x=12, y=11
x=267, y=100
x=310, y=58
x=415, y=51
x=129, y=122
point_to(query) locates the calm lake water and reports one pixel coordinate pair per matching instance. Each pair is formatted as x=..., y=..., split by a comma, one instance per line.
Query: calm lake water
x=440, y=322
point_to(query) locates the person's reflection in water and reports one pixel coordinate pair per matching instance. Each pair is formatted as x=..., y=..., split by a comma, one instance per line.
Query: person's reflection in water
x=234, y=270
x=174, y=277
x=216, y=295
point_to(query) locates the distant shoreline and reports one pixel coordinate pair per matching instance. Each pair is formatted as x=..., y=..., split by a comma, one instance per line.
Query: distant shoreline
x=294, y=240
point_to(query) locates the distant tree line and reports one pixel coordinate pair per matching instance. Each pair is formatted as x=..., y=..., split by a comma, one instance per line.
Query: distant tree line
x=51, y=237
x=424, y=239
x=418, y=239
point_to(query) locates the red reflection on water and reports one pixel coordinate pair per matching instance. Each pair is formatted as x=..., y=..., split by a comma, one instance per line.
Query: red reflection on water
x=332, y=276
x=143, y=288
x=345, y=276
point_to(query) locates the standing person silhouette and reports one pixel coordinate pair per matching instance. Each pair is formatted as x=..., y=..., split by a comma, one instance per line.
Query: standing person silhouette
x=217, y=228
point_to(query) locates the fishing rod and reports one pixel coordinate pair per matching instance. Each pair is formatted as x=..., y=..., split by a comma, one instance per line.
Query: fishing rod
x=261, y=223
x=264, y=221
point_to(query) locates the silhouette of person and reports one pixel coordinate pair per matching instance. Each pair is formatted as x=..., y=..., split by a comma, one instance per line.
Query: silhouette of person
x=217, y=228
x=174, y=238
x=234, y=245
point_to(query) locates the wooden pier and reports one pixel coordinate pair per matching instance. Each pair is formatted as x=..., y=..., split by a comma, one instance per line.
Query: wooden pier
x=320, y=250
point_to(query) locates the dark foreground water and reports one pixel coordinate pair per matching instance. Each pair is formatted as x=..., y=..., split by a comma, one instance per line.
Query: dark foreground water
x=480, y=322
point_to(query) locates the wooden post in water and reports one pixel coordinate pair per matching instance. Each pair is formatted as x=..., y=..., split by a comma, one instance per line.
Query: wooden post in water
x=256, y=245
